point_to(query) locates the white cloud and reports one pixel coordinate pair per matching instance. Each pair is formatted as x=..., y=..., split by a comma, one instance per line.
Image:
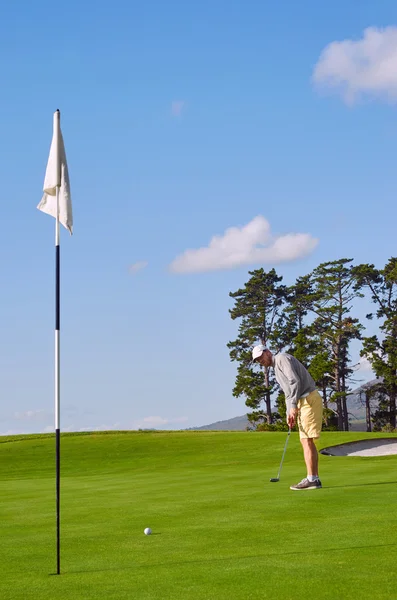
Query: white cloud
x=251, y=244
x=30, y=415
x=177, y=107
x=49, y=429
x=157, y=421
x=114, y=427
x=138, y=266
x=364, y=67
x=364, y=364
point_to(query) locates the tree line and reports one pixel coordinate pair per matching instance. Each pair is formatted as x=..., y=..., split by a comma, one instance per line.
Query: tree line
x=314, y=320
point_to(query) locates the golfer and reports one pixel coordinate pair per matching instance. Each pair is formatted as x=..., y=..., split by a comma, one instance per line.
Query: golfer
x=304, y=406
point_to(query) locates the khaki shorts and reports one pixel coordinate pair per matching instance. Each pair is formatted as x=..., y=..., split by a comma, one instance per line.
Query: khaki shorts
x=310, y=416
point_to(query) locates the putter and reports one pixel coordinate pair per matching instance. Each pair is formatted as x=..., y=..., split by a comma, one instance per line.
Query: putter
x=275, y=479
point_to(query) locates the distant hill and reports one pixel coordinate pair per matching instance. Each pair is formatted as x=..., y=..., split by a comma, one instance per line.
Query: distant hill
x=354, y=406
x=235, y=424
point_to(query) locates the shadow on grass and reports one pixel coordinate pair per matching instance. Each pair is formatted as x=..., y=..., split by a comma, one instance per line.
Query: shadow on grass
x=331, y=487
x=224, y=559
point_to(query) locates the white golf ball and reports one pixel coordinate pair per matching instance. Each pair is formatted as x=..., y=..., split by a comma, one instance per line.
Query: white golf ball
x=147, y=531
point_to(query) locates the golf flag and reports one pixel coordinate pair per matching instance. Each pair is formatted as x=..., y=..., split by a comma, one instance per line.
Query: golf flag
x=57, y=202
x=57, y=176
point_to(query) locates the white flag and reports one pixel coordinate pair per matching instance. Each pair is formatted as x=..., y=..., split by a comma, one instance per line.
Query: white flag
x=57, y=175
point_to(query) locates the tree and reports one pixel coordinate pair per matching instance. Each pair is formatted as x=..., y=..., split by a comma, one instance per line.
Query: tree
x=381, y=351
x=258, y=305
x=372, y=396
x=298, y=333
x=381, y=415
x=279, y=416
x=320, y=368
x=305, y=343
x=334, y=287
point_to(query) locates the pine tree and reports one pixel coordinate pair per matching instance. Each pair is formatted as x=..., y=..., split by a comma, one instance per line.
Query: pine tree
x=258, y=305
x=334, y=288
x=381, y=351
x=373, y=396
x=306, y=343
x=298, y=332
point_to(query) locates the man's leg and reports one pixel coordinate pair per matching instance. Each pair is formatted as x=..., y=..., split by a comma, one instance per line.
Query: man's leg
x=312, y=481
x=309, y=423
x=311, y=456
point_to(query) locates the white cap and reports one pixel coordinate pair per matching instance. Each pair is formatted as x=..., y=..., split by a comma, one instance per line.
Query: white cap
x=258, y=351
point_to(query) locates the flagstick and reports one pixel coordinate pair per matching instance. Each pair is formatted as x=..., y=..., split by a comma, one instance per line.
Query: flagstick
x=57, y=340
x=56, y=201
x=57, y=378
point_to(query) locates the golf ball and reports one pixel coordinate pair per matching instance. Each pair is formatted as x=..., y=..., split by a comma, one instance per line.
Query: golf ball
x=147, y=531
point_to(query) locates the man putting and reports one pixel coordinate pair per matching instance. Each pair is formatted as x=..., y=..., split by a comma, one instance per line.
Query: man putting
x=304, y=406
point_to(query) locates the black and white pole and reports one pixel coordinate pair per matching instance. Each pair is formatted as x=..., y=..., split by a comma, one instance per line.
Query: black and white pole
x=57, y=353
x=56, y=201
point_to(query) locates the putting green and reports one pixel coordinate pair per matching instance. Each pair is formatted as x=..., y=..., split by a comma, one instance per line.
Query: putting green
x=221, y=530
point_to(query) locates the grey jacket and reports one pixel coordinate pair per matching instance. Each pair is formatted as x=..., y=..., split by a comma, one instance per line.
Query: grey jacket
x=293, y=378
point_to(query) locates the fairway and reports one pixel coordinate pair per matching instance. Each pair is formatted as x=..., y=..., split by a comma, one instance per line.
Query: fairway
x=221, y=530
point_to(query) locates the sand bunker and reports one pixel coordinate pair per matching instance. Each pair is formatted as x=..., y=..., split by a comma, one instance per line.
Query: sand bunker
x=375, y=447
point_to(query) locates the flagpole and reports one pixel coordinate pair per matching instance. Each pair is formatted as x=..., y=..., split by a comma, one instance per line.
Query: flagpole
x=56, y=201
x=57, y=352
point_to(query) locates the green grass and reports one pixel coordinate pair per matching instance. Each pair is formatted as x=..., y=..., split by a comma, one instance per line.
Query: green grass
x=221, y=530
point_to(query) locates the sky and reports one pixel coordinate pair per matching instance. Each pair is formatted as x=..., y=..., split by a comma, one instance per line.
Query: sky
x=203, y=139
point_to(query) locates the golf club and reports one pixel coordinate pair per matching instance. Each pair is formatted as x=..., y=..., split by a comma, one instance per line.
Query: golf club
x=275, y=479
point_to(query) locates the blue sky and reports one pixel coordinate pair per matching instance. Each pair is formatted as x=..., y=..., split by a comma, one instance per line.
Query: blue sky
x=180, y=120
